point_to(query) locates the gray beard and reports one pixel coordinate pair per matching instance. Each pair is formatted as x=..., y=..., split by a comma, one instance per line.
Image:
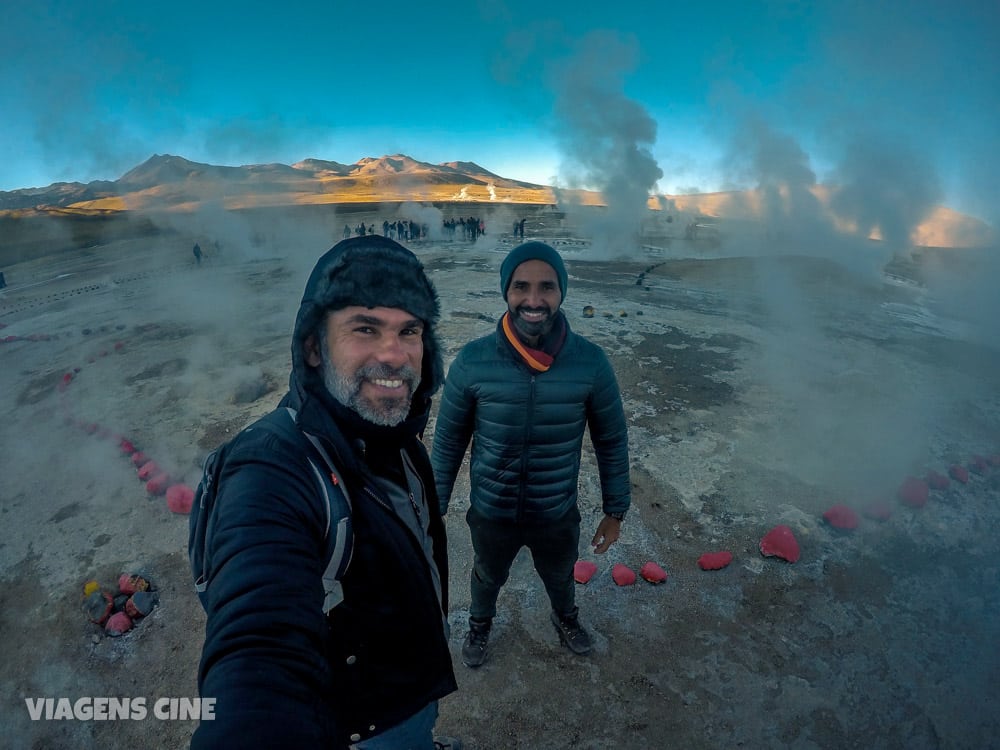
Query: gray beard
x=346, y=389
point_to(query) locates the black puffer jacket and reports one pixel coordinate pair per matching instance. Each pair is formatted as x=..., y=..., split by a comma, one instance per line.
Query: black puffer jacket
x=282, y=673
x=527, y=429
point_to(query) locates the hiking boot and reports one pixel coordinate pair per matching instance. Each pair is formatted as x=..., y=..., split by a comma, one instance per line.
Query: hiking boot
x=571, y=633
x=447, y=743
x=474, y=648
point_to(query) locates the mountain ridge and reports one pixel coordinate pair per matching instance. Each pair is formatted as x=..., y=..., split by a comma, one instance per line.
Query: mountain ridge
x=161, y=171
x=171, y=183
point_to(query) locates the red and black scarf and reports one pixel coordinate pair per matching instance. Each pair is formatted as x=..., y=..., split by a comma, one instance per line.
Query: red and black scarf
x=538, y=360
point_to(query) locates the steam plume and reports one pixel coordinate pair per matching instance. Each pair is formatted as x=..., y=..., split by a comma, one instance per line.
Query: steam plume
x=605, y=135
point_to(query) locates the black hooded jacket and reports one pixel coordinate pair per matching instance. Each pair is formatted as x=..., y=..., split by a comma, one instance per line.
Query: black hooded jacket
x=282, y=673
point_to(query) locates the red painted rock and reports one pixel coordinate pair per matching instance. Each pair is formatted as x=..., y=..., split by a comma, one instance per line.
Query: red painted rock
x=127, y=447
x=180, y=497
x=139, y=458
x=140, y=604
x=959, y=473
x=780, y=542
x=979, y=465
x=584, y=570
x=148, y=470
x=715, y=560
x=119, y=345
x=653, y=572
x=623, y=575
x=118, y=624
x=937, y=481
x=158, y=484
x=98, y=606
x=914, y=492
x=878, y=511
x=842, y=517
x=130, y=583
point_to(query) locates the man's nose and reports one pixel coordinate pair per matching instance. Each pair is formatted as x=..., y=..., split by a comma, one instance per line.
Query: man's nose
x=534, y=298
x=391, y=350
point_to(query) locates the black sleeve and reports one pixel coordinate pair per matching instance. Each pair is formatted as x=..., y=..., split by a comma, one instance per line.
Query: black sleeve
x=264, y=655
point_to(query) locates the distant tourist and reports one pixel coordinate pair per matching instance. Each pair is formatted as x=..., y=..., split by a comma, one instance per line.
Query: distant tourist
x=197, y=253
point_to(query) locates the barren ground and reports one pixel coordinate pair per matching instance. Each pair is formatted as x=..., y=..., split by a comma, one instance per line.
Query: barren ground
x=759, y=391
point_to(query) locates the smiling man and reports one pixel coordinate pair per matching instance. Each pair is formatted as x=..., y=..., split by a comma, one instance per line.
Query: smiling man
x=524, y=396
x=288, y=664
x=389, y=381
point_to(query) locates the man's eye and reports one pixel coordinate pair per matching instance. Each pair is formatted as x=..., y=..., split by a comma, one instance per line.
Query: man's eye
x=364, y=329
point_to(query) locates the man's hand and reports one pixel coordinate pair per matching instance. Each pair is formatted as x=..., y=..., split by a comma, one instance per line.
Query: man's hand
x=607, y=534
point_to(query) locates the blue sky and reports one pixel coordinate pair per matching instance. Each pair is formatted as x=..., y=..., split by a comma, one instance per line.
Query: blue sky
x=709, y=95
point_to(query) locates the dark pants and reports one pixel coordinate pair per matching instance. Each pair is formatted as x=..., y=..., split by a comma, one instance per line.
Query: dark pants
x=554, y=548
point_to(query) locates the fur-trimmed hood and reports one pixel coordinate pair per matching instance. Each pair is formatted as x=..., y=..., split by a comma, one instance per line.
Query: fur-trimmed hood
x=369, y=271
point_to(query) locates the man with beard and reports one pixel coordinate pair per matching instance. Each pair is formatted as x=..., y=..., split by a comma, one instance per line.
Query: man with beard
x=525, y=395
x=368, y=673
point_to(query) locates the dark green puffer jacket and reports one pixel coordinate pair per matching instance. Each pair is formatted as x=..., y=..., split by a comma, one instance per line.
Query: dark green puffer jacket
x=527, y=429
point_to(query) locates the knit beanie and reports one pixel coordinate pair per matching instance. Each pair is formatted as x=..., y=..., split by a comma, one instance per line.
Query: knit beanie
x=533, y=250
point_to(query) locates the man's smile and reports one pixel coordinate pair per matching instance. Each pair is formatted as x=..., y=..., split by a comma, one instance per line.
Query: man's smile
x=533, y=316
x=388, y=383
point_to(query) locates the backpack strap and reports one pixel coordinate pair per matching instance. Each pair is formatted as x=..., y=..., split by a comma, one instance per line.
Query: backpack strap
x=337, y=532
x=202, y=518
x=338, y=520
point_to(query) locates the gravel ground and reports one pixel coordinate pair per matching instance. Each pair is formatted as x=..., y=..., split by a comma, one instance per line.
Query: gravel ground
x=760, y=390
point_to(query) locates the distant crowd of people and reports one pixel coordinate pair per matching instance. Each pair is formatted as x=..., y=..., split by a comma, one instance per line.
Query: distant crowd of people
x=401, y=229
x=472, y=227
x=407, y=230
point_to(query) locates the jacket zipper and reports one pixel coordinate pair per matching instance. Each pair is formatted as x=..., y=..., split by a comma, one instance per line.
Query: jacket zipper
x=522, y=489
x=410, y=469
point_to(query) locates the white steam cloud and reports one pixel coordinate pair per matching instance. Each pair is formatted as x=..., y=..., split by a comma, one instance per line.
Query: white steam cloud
x=606, y=137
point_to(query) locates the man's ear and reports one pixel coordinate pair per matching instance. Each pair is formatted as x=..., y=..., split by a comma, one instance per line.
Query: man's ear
x=313, y=358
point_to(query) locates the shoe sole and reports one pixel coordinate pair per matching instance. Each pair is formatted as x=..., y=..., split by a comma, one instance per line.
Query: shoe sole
x=474, y=664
